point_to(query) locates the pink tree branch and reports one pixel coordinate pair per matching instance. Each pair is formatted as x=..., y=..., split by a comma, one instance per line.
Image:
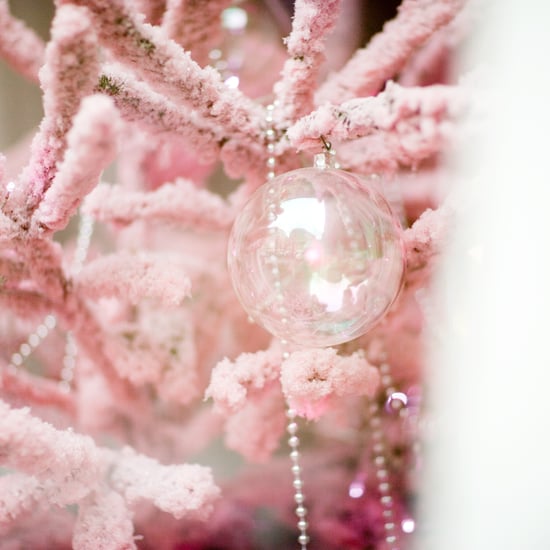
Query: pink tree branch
x=12, y=271
x=255, y=429
x=431, y=64
x=34, y=390
x=138, y=103
x=313, y=20
x=232, y=382
x=413, y=123
x=69, y=74
x=195, y=25
x=180, y=202
x=8, y=229
x=26, y=304
x=33, y=447
x=70, y=468
x=19, y=494
x=135, y=276
x=44, y=261
x=171, y=71
x=388, y=52
x=93, y=342
x=20, y=46
x=92, y=144
x=180, y=489
x=104, y=522
x=423, y=243
x=311, y=379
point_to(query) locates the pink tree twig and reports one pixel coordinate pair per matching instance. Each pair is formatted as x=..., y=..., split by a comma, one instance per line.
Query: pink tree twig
x=20, y=46
x=92, y=145
x=170, y=70
x=400, y=126
x=19, y=495
x=313, y=20
x=423, y=243
x=35, y=390
x=255, y=430
x=135, y=276
x=69, y=74
x=12, y=271
x=26, y=304
x=180, y=489
x=233, y=381
x=387, y=52
x=311, y=379
x=8, y=229
x=195, y=25
x=103, y=522
x=432, y=63
x=179, y=202
x=70, y=468
x=138, y=103
x=32, y=446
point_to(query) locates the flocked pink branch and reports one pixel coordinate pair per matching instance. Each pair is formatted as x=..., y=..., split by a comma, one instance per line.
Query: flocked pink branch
x=181, y=202
x=69, y=74
x=313, y=20
x=232, y=382
x=103, y=522
x=424, y=241
x=91, y=146
x=311, y=379
x=136, y=276
x=20, y=46
x=248, y=394
x=138, y=103
x=181, y=490
x=168, y=69
x=19, y=494
x=8, y=229
x=414, y=122
x=12, y=271
x=35, y=390
x=195, y=25
x=27, y=304
x=431, y=63
x=32, y=446
x=388, y=52
x=70, y=467
x=255, y=430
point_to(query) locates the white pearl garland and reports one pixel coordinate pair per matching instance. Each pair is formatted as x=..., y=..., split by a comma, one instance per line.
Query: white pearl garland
x=292, y=426
x=395, y=402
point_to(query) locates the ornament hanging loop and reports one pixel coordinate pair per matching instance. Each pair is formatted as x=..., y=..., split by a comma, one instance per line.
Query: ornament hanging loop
x=326, y=144
x=327, y=158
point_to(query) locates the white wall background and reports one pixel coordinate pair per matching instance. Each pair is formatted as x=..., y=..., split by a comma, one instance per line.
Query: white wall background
x=489, y=479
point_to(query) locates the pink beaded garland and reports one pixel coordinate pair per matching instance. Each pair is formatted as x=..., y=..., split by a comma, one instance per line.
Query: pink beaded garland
x=316, y=256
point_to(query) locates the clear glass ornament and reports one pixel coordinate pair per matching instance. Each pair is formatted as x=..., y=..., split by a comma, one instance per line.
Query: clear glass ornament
x=316, y=256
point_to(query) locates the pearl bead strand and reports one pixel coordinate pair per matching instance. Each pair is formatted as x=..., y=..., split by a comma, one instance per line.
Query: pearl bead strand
x=292, y=426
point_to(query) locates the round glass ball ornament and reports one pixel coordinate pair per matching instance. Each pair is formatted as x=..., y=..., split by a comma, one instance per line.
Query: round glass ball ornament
x=316, y=256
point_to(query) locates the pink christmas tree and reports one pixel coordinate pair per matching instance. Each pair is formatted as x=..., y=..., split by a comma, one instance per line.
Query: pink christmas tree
x=139, y=405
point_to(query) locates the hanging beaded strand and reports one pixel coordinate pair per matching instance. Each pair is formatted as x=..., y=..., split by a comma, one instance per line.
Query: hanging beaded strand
x=292, y=426
x=85, y=230
x=36, y=337
x=395, y=403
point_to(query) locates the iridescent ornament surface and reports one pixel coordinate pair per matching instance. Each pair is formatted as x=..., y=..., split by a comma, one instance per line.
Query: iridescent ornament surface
x=316, y=256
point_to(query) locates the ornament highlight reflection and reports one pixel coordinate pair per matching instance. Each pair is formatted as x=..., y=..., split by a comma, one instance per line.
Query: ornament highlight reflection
x=316, y=256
